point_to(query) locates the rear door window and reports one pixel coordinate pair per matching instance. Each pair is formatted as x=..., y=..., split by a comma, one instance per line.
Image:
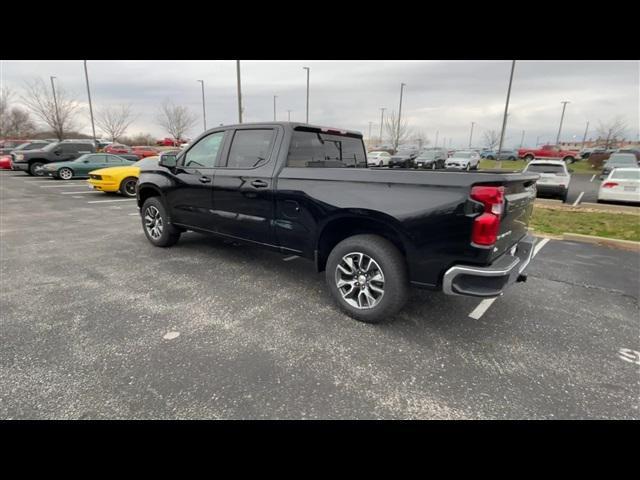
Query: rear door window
x=314, y=149
x=250, y=148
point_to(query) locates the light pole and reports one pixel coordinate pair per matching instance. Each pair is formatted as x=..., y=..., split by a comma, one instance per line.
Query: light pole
x=402, y=85
x=522, y=139
x=204, y=113
x=370, y=123
x=93, y=127
x=537, y=140
x=381, y=122
x=288, y=115
x=55, y=103
x=584, y=139
x=239, y=92
x=471, y=134
x=564, y=105
x=506, y=110
x=308, y=69
x=436, y=144
x=274, y=107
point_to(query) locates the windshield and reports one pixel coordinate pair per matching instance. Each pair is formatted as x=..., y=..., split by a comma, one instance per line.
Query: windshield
x=546, y=168
x=146, y=162
x=373, y=154
x=626, y=174
x=22, y=146
x=622, y=160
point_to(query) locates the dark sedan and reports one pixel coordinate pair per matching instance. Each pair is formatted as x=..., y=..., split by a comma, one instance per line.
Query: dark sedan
x=403, y=159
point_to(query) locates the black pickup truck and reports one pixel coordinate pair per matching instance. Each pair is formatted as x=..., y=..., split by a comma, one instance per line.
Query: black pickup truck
x=33, y=161
x=305, y=190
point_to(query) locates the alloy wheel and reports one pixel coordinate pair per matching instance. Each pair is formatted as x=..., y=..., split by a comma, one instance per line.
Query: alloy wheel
x=65, y=174
x=153, y=222
x=360, y=280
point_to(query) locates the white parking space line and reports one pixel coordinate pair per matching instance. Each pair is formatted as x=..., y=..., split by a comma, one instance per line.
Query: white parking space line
x=484, y=305
x=578, y=199
x=292, y=257
x=594, y=176
x=53, y=186
x=119, y=200
x=76, y=193
x=136, y=213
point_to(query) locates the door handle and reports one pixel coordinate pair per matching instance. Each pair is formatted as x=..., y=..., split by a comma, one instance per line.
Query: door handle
x=205, y=179
x=259, y=184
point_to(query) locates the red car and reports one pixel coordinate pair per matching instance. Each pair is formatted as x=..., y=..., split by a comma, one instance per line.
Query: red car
x=117, y=148
x=549, y=152
x=170, y=142
x=5, y=162
x=143, y=152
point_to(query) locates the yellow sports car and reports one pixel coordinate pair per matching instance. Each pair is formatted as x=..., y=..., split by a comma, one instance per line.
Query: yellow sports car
x=120, y=179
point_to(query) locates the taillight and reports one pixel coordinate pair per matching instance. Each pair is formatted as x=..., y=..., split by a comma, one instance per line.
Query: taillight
x=609, y=185
x=487, y=225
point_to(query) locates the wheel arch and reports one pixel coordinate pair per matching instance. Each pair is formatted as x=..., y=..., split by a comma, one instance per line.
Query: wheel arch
x=350, y=223
x=146, y=191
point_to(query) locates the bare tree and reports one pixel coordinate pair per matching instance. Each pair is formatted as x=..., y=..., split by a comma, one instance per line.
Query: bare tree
x=420, y=138
x=14, y=121
x=397, y=135
x=612, y=132
x=176, y=119
x=114, y=121
x=39, y=99
x=491, y=139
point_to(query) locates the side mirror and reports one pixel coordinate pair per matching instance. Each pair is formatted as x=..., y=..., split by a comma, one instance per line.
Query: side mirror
x=168, y=161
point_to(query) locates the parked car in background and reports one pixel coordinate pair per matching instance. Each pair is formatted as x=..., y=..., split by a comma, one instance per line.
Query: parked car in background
x=117, y=148
x=619, y=160
x=621, y=185
x=432, y=158
x=463, y=160
x=633, y=151
x=144, y=151
x=5, y=162
x=554, y=179
x=81, y=166
x=171, y=142
x=8, y=145
x=31, y=145
x=551, y=152
x=403, y=158
x=505, y=154
x=33, y=161
x=378, y=159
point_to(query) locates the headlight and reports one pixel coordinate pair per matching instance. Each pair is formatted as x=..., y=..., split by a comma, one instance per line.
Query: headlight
x=19, y=157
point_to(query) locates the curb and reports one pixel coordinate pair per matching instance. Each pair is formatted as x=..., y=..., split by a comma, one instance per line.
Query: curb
x=599, y=207
x=609, y=242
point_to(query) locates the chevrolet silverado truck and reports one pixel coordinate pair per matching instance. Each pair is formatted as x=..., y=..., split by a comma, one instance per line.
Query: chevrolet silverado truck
x=549, y=152
x=304, y=190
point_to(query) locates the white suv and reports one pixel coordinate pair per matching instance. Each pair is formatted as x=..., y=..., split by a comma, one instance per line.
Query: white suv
x=554, y=177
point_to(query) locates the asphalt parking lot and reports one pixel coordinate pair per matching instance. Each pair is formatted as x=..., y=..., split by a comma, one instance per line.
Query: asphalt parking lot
x=97, y=323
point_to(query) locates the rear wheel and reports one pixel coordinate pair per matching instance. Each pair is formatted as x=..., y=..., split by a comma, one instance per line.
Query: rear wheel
x=36, y=169
x=468, y=167
x=128, y=186
x=367, y=277
x=528, y=157
x=563, y=197
x=65, y=173
x=156, y=226
x=381, y=163
x=569, y=160
x=490, y=157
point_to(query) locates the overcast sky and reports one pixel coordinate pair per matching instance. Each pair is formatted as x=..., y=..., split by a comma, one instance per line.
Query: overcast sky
x=444, y=96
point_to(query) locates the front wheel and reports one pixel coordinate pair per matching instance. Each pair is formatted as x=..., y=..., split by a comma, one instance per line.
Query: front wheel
x=156, y=226
x=36, y=169
x=569, y=160
x=367, y=277
x=528, y=158
x=128, y=186
x=65, y=173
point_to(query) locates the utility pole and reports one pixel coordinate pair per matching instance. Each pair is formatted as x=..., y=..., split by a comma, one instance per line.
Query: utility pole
x=239, y=92
x=288, y=115
x=204, y=113
x=402, y=85
x=381, y=123
x=55, y=102
x=436, y=144
x=537, y=140
x=308, y=70
x=370, y=123
x=522, y=139
x=93, y=127
x=471, y=134
x=564, y=105
x=506, y=111
x=274, y=107
x=584, y=139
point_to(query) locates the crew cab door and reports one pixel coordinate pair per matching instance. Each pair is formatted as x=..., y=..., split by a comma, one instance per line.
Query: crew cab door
x=190, y=197
x=243, y=189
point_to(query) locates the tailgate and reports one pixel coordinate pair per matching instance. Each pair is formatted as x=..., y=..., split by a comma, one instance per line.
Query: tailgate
x=520, y=194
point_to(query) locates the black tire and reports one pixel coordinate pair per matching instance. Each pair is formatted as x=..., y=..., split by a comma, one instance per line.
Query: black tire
x=468, y=166
x=569, y=160
x=128, y=187
x=490, y=157
x=394, y=271
x=563, y=197
x=64, y=171
x=512, y=158
x=381, y=163
x=35, y=169
x=168, y=235
x=529, y=157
